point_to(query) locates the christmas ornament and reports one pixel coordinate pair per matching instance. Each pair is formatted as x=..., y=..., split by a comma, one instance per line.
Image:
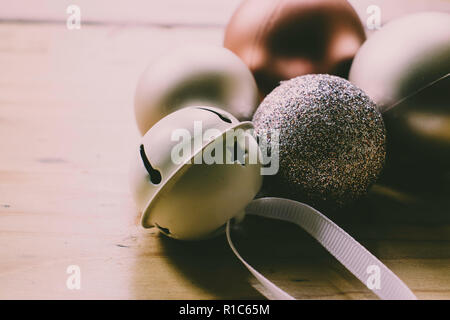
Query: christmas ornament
x=331, y=139
x=191, y=76
x=405, y=69
x=282, y=39
x=190, y=175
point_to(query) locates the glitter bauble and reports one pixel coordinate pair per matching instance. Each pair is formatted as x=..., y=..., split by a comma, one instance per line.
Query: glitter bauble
x=331, y=139
x=283, y=39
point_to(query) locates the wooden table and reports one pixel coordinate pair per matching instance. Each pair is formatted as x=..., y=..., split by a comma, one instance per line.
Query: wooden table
x=67, y=132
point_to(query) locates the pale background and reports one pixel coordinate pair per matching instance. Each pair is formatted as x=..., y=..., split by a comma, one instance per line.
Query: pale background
x=67, y=132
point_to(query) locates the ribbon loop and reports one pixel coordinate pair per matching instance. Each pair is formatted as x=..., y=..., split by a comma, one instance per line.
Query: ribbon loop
x=339, y=243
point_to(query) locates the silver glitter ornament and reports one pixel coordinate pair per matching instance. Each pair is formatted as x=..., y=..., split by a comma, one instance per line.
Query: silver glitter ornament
x=331, y=139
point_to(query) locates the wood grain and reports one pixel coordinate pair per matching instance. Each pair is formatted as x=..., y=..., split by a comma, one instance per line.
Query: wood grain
x=67, y=132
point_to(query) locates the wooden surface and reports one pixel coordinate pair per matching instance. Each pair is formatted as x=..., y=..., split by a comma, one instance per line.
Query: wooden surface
x=67, y=132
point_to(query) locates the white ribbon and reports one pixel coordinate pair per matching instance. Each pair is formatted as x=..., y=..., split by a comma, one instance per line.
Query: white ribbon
x=339, y=243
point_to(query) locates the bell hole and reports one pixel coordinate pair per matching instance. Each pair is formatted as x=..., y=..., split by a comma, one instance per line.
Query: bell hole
x=221, y=116
x=162, y=229
x=155, y=175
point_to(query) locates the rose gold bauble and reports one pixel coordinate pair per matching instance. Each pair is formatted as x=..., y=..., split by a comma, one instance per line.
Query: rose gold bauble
x=282, y=39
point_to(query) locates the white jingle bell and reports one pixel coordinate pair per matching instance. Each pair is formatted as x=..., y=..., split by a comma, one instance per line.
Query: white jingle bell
x=192, y=76
x=195, y=169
